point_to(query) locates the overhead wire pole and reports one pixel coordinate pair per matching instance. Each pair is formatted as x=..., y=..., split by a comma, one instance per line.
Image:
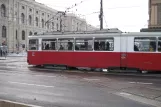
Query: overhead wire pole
x=101, y=15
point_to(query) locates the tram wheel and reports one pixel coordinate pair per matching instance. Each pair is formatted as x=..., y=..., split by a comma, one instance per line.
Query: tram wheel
x=139, y=71
x=39, y=66
x=71, y=68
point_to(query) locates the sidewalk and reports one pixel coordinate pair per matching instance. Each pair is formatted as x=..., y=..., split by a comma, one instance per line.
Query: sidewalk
x=17, y=55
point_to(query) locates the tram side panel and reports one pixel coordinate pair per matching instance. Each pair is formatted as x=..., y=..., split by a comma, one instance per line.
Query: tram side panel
x=94, y=59
x=57, y=57
x=77, y=59
x=34, y=58
x=142, y=59
x=151, y=61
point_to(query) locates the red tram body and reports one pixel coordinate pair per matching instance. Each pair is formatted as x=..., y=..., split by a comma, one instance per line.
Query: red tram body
x=141, y=51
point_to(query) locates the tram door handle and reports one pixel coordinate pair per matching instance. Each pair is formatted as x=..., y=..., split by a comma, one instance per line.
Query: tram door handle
x=123, y=56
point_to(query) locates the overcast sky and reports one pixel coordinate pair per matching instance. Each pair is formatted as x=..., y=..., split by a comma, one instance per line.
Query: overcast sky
x=127, y=15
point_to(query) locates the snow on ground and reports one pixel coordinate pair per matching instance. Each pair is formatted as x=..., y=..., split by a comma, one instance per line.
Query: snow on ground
x=17, y=54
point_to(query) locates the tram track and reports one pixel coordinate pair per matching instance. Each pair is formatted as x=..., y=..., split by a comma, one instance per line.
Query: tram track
x=24, y=67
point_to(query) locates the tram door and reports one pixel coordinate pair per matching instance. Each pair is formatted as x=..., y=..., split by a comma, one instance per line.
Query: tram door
x=123, y=50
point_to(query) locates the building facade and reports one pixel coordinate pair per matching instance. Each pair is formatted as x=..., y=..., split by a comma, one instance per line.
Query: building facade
x=155, y=14
x=74, y=23
x=21, y=18
x=154, y=22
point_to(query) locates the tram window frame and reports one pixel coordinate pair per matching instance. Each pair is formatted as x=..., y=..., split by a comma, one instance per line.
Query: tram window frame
x=80, y=47
x=103, y=40
x=141, y=47
x=49, y=45
x=36, y=45
x=159, y=43
x=65, y=45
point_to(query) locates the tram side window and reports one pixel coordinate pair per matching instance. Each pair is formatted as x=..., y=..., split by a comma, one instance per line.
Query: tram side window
x=84, y=44
x=159, y=44
x=66, y=44
x=33, y=44
x=49, y=44
x=147, y=44
x=104, y=44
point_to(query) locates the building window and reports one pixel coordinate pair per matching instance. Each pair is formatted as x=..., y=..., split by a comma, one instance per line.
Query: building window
x=4, y=32
x=22, y=18
x=57, y=27
x=30, y=33
x=23, y=7
x=48, y=25
x=16, y=5
x=43, y=14
x=30, y=10
x=48, y=15
x=77, y=27
x=37, y=12
x=37, y=21
x=23, y=35
x=35, y=33
x=16, y=35
x=30, y=19
x=53, y=25
x=23, y=46
x=42, y=21
x=3, y=10
x=158, y=14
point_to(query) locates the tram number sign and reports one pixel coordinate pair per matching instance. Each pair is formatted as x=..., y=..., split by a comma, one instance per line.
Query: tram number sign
x=33, y=53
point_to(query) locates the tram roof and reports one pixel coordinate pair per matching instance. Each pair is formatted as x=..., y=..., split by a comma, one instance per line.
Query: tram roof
x=89, y=35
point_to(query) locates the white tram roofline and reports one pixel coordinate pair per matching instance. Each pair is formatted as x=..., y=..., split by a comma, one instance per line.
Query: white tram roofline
x=76, y=36
x=97, y=35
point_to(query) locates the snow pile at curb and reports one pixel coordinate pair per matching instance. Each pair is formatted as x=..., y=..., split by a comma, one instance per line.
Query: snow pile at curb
x=17, y=54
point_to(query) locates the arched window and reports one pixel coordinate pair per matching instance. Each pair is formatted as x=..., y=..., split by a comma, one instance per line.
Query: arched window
x=48, y=25
x=30, y=33
x=3, y=10
x=35, y=33
x=37, y=20
x=16, y=35
x=22, y=18
x=23, y=35
x=42, y=21
x=4, y=33
x=53, y=25
x=30, y=19
x=57, y=26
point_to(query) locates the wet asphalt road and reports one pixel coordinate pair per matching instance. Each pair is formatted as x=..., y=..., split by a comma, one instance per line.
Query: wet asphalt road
x=26, y=84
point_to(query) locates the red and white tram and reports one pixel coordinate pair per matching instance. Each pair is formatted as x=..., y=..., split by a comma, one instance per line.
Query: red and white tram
x=140, y=51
